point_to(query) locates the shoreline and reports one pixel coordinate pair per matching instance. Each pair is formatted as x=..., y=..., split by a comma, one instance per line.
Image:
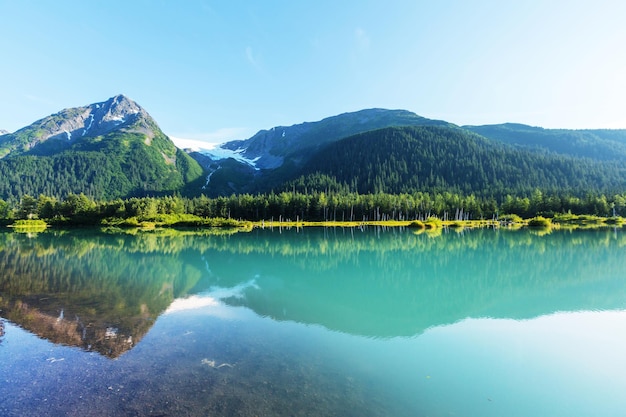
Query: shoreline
x=568, y=222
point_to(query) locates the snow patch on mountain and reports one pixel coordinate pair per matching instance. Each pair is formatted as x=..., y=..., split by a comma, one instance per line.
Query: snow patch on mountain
x=214, y=150
x=90, y=124
x=208, y=177
x=218, y=153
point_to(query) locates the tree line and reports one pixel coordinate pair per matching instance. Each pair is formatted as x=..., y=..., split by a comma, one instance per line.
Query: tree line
x=314, y=206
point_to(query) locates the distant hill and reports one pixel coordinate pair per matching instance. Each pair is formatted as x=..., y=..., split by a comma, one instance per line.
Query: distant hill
x=106, y=150
x=406, y=159
x=598, y=144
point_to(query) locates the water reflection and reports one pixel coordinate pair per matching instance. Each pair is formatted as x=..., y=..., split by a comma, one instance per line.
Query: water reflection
x=103, y=292
x=399, y=284
x=480, y=323
x=98, y=292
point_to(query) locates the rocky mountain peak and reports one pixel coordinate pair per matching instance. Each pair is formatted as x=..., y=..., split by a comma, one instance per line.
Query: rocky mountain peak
x=91, y=120
x=116, y=109
x=100, y=118
x=3, y=132
x=73, y=124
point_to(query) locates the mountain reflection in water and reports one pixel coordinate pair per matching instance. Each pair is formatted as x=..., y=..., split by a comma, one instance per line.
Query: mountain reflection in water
x=102, y=292
x=396, y=283
x=96, y=291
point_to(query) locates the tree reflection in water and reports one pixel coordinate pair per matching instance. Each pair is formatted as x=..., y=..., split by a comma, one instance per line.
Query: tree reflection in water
x=102, y=292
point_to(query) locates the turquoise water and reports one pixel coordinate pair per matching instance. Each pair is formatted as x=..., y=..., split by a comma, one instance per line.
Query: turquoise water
x=328, y=322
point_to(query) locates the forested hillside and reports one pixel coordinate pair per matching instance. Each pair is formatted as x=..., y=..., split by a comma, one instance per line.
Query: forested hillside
x=601, y=144
x=271, y=157
x=118, y=166
x=431, y=158
x=105, y=150
x=96, y=174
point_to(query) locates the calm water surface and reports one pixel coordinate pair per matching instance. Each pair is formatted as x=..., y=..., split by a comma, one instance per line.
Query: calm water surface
x=325, y=322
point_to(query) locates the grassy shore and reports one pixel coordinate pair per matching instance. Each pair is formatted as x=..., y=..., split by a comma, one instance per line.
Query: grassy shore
x=567, y=221
x=386, y=223
x=28, y=225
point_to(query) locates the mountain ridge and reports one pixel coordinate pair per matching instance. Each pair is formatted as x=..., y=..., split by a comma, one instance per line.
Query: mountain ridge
x=605, y=144
x=243, y=165
x=272, y=146
x=241, y=171
x=115, y=149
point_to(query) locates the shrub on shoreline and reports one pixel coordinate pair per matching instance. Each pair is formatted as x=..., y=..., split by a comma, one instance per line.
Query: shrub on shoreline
x=539, y=222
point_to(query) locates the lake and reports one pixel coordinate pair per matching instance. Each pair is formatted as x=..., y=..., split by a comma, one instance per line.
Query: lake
x=313, y=321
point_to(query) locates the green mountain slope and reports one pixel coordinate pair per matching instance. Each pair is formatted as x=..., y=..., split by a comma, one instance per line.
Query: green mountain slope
x=407, y=159
x=599, y=144
x=105, y=150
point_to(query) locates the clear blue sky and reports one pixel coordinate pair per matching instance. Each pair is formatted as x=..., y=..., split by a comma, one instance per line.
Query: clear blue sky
x=217, y=70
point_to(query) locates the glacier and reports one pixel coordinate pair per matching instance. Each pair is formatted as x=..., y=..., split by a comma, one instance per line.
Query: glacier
x=214, y=150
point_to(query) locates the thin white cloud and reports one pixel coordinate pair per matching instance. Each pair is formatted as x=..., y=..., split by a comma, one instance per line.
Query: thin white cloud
x=251, y=58
x=615, y=124
x=316, y=44
x=362, y=40
x=38, y=99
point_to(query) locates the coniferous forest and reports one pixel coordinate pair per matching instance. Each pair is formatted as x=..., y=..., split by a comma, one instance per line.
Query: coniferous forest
x=370, y=165
x=315, y=206
x=440, y=159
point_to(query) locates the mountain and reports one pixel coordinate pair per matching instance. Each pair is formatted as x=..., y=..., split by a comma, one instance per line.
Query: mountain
x=3, y=132
x=273, y=148
x=106, y=150
x=398, y=151
x=70, y=125
x=114, y=149
x=269, y=157
x=406, y=159
x=602, y=144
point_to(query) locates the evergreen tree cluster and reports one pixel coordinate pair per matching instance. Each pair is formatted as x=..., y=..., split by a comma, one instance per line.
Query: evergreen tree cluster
x=119, y=167
x=600, y=144
x=439, y=159
x=316, y=206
